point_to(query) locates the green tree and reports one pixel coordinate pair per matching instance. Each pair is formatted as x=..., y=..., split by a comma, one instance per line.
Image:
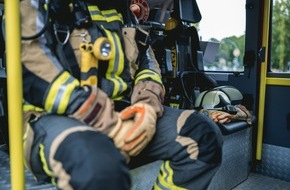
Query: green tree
x=280, y=48
x=228, y=46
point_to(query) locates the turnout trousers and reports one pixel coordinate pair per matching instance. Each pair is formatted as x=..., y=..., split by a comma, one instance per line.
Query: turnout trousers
x=72, y=155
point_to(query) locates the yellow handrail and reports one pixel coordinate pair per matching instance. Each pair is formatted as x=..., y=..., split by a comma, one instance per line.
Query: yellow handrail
x=14, y=91
x=263, y=76
x=278, y=81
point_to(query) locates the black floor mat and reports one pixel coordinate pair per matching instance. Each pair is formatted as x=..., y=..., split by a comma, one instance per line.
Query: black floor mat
x=30, y=183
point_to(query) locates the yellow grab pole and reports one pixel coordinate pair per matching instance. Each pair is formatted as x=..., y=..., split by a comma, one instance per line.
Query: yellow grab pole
x=14, y=91
x=263, y=78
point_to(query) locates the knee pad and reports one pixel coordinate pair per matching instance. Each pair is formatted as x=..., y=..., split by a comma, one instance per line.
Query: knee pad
x=93, y=162
x=207, y=135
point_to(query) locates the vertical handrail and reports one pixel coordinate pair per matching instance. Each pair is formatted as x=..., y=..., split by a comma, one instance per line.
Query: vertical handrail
x=263, y=78
x=14, y=91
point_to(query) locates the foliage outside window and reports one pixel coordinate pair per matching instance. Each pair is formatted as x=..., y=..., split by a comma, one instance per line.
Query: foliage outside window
x=229, y=56
x=280, y=48
x=224, y=22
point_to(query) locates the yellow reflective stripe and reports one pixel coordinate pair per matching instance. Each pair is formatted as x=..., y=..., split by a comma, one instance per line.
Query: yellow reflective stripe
x=65, y=99
x=156, y=187
x=30, y=107
x=104, y=15
x=170, y=172
x=147, y=73
x=116, y=65
x=60, y=92
x=49, y=103
x=109, y=12
x=24, y=142
x=53, y=182
x=165, y=177
x=120, y=67
x=98, y=18
x=43, y=160
x=113, y=17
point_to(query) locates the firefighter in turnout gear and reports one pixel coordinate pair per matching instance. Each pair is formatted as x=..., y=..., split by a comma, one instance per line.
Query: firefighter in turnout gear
x=93, y=102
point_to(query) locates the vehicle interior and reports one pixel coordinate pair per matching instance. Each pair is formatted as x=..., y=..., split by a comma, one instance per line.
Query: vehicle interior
x=253, y=66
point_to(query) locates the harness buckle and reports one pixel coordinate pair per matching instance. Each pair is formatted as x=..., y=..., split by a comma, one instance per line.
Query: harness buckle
x=142, y=36
x=62, y=33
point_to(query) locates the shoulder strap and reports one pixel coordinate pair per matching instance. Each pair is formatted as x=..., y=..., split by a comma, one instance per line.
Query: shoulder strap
x=57, y=37
x=67, y=58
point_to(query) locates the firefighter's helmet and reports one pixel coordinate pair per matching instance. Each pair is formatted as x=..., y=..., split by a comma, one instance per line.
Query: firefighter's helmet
x=218, y=97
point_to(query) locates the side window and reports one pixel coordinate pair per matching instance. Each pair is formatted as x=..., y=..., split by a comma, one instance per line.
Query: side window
x=280, y=49
x=222, y=34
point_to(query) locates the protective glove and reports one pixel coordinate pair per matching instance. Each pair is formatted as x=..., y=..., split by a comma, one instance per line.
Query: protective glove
x=148, y=87
x=219, y=117
x=119, y=138
x=98, y=111
x=151, y=93
x=242, y=114
x=139, y=122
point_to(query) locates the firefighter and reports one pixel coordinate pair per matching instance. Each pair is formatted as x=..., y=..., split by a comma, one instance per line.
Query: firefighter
x=93, y=102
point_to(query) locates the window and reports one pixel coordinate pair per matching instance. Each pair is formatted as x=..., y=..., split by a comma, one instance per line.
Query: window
x=223, y=23
x=280, y=38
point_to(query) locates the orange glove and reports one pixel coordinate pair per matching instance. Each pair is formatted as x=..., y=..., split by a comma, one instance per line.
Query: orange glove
x=139, y=132
x=119, y=139
x=219, y=117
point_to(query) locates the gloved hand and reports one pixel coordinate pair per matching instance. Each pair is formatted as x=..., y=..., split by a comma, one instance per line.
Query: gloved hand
x=138, y=128
x=119, y=138
x=98, y=112
x=219, y=117
x=150, y=93
x=148, y=87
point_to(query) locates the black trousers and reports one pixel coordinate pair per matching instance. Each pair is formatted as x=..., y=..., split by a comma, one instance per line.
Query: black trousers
x=71, y=154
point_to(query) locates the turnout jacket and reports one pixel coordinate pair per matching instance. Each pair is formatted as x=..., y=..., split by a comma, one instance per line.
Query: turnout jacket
x=53, y=84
